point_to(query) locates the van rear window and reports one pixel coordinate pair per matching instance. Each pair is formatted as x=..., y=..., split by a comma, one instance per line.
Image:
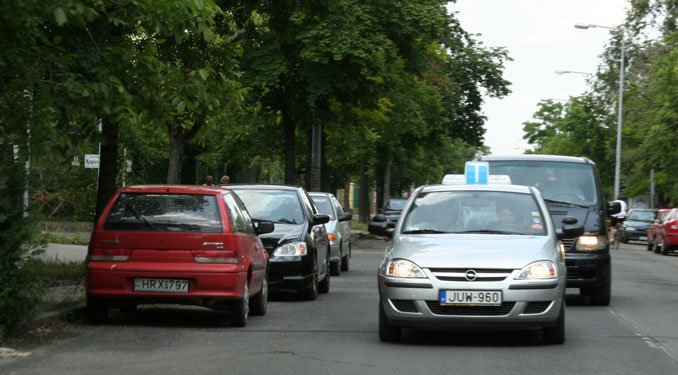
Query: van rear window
x=164, y=213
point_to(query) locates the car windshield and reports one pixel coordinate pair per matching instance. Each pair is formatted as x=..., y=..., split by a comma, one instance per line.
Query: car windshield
x=395, y=204
x=642, y=215
x=558, y=182
x=273, y=205
x=324, y=205
x=474, y=212
x=165, y=213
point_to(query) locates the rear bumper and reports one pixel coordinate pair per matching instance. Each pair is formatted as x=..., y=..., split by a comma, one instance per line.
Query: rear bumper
x=107, y=282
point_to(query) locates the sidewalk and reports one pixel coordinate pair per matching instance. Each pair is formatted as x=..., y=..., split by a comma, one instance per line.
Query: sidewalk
x=64, y=253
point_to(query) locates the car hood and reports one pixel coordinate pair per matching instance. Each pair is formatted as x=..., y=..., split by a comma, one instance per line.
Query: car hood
x=637, y=224
x=283, y=233
x=472, y=250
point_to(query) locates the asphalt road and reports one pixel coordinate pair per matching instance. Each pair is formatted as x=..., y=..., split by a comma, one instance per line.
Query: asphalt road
x=337, y=334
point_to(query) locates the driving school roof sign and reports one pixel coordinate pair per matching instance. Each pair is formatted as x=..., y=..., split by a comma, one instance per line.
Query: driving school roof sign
x=477, y=172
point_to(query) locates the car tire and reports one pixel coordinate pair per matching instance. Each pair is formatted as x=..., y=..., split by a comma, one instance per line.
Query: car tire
x=239, y=309
x=387, y=331
x=311, y=293
x=599, y=296
x=335, y=268
x=324, y=286
x=346, y=259
x=97, y=311
x=259, y=303
x=555, y=335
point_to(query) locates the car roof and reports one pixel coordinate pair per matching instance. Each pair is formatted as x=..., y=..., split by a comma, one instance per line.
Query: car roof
x=176, y=189
x=263, y=187
x=320, y=194
x=537, y=157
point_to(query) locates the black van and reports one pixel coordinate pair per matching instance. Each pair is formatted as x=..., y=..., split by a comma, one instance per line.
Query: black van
x=571, y=188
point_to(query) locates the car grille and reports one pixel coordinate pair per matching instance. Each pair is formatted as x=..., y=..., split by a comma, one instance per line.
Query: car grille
x=567, y=242
x=536, y=307
x=458, y=274
x=405, y=305
x=438, y=309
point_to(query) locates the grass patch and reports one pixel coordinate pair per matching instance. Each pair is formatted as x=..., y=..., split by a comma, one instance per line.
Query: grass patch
x=51, y=271
x=357, y=225
x=75, y=239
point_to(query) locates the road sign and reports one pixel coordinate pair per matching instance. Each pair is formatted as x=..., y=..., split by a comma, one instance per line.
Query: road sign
x=91, y=161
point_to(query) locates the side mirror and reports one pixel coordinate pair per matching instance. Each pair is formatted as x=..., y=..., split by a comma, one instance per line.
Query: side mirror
x=321, y=219
x=613, y=208
x=264, y=226
x=346, y=216
x=380, y=218
x=571, y=228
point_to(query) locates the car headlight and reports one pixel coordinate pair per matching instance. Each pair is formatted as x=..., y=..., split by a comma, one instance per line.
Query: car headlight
x=591, y=243
x=403, y=268
x=630, y=228
x=291, y=249
x=544, y=269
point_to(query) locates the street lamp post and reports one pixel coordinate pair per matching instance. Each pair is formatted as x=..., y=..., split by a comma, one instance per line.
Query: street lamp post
x=617, y=167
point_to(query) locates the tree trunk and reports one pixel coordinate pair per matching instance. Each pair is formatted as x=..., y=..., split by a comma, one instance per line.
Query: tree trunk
x=177, y=141
x=289, y=129
x=108, y=165
x=364, y=194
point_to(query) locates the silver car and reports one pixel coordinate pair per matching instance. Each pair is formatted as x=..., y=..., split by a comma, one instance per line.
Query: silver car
x=338, y=231
x=474, y=256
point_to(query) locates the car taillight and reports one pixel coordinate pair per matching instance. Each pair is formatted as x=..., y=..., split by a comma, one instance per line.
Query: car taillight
x=109, y=255
x=215, y=256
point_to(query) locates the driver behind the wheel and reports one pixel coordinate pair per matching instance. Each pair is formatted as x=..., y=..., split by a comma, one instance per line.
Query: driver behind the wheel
x=508, y=219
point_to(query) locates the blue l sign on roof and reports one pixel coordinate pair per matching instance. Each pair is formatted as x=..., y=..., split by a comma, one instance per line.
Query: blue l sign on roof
x=477, y=172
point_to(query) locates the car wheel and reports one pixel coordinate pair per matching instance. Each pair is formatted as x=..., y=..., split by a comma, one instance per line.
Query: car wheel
x=324, y=285
x=657, y=248
x=335, y=268
x=259, y=303
x=555, y=335
x=665, y=249
x=239, y=311
x=346, y=259
x=97, y=311
x=599, y=296
x=312, y=292
x=387, y=331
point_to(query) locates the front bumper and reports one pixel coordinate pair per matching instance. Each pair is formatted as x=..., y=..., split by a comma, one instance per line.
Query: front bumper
x=588, y=270
x=290, y=273
x=414, y=303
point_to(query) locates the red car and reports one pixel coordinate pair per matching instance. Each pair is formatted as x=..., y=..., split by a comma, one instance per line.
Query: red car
x=176, y=244
x=654, y=227
x=667, y=238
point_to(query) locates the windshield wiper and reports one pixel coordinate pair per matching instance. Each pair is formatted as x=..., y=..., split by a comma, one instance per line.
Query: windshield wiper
x=138, y=215
x=487, y=231
x=563, y=203
x=424, y=231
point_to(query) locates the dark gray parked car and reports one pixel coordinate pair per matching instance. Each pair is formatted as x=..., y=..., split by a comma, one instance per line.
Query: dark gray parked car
x=338, y=231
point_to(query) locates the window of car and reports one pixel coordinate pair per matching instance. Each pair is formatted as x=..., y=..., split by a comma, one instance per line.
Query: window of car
x=279, y=206
x=475, y=212
x=642, y=215
x=240, y=219
x=164, y=212
x=324, y=205
x=395, y=204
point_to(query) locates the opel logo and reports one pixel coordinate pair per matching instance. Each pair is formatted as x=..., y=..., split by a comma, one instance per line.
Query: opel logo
x=471, y=275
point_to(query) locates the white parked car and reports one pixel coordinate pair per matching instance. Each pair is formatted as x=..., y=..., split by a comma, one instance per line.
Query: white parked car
x=338, y=230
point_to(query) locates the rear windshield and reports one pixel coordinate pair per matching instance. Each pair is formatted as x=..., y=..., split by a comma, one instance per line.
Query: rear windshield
x=557, y=181
x=273, y=205
x=165, y=213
